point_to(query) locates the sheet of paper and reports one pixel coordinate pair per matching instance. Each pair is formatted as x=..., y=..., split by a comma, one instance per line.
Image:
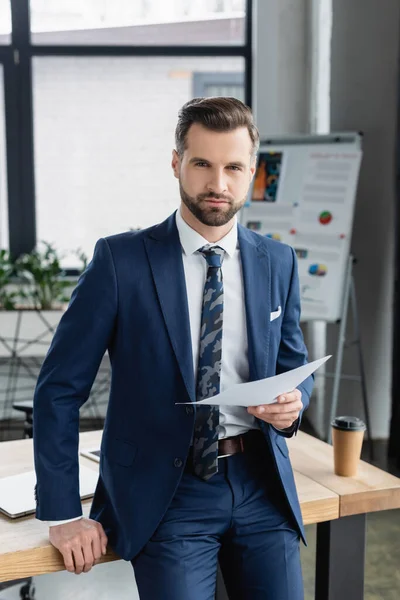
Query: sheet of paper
x=264, y=391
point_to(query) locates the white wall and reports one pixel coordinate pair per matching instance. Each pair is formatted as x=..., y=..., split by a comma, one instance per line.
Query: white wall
x=365, y=44
x=364, y=50
x=281, y=66
x=104, y=133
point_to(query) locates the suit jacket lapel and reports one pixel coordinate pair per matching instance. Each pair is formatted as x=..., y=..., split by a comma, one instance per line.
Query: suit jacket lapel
x=164, y=252
x=257, y=292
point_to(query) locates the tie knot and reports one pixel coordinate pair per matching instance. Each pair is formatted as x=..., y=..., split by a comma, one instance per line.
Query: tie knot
x=214, y=255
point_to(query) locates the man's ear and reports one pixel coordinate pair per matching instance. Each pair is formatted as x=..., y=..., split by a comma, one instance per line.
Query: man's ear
x=253, y=165
x=176, y=163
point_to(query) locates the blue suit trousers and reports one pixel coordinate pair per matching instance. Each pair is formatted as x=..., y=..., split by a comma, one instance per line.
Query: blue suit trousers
x=240, y=518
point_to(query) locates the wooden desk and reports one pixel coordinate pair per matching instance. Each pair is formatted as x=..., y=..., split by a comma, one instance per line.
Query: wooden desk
x=26, y=551
x=371, y=490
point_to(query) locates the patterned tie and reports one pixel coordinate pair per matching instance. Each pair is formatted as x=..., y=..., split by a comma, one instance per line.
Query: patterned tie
x=205, y=439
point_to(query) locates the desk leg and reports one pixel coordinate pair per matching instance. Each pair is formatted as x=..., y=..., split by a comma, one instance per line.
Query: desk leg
x=341, y=559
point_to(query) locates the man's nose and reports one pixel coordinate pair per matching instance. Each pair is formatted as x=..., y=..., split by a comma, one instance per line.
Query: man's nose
x=217, y=183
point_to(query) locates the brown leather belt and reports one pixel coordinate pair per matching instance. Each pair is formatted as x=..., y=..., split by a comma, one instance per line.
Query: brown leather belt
x=240, y=443
x=250, y=441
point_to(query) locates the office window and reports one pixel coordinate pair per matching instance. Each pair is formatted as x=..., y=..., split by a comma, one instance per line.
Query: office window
x=139, y=22
x=5, y=22
x=219, y=84
x=3, y=168
x=104, y=132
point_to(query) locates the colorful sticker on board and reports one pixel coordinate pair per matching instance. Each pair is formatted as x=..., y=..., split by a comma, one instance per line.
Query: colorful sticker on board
x=254, y=225
x=301, y=253
x=275, y=236
x=318, y=270
x=325, y=217
x=266, y=182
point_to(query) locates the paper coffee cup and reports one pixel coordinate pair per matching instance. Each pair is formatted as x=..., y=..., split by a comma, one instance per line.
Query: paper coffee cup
x=347, y=439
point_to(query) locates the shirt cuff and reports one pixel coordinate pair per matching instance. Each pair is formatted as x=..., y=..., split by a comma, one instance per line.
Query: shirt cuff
x=55, y=523
x=286, y=430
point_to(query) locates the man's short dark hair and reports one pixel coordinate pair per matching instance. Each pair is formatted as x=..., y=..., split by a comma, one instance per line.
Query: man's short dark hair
x=217, y=114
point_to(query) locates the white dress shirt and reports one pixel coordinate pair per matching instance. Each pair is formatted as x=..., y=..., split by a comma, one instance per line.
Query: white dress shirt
x=233, y=420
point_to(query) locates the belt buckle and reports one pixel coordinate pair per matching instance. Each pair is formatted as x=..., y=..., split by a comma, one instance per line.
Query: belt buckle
x=241, y=443
x=223, y=456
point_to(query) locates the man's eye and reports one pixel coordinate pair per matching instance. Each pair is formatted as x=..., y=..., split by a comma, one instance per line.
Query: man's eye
x=201, y=164
x=234, y=168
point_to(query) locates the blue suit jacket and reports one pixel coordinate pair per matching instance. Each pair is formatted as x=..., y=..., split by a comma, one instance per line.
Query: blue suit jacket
x=132, y=301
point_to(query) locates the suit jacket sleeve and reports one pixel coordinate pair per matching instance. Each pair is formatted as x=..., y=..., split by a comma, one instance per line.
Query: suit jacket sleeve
x=64, y=384
x=292, y=350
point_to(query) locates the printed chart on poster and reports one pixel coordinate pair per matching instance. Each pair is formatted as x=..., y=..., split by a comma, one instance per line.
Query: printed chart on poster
x=303, y=194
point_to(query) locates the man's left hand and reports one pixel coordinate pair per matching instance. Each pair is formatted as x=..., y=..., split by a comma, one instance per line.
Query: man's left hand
x=281, y=414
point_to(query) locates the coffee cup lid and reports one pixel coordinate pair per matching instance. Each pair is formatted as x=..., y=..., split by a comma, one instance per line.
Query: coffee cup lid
x=348, y=423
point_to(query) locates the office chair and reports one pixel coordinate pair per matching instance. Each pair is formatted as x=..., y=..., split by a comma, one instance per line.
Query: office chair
x=26, y=406
x=26, y=592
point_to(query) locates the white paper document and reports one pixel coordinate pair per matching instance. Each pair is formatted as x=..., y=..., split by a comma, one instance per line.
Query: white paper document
x=264, y=391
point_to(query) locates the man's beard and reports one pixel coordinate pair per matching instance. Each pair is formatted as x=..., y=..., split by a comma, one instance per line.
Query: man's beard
x=212, y=216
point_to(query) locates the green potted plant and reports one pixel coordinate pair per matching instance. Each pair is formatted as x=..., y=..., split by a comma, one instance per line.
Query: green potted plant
x=34, y=291
x=43, y=278
x=8, y=297
x=37, y=306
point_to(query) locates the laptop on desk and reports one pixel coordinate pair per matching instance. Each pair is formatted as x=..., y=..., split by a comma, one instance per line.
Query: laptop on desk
x=17, y=495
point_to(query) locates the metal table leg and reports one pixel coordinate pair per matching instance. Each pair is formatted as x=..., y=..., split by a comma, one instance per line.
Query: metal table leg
x=341, y=559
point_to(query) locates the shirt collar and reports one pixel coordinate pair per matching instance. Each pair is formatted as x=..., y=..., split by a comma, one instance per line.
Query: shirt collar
x=192, y=241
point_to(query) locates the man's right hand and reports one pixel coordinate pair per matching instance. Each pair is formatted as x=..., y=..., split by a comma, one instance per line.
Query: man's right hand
x=81, y=543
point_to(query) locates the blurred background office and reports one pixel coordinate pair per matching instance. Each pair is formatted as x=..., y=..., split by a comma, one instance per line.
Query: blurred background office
x=89, y=96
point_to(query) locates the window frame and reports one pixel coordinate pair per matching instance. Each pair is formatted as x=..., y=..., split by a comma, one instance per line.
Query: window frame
x=201, y=80
x=17, y=59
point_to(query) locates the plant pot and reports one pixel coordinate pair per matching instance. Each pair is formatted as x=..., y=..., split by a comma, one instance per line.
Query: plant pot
x=27, y=332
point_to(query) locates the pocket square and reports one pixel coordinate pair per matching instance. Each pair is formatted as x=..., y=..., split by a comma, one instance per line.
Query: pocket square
x=276, y=314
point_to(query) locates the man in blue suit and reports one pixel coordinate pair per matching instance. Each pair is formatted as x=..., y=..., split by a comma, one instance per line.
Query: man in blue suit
x=186, y=309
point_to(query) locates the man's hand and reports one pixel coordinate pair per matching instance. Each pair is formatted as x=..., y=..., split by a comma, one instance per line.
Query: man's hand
x=81, y=543
x=281, y=414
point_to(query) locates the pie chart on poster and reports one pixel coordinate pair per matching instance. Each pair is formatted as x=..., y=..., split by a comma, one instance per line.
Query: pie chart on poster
x=274, y=236
x=318, y=270
x=325, y=217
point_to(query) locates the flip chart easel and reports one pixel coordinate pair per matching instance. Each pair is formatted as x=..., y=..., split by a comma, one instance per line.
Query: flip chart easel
x=304, y=194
